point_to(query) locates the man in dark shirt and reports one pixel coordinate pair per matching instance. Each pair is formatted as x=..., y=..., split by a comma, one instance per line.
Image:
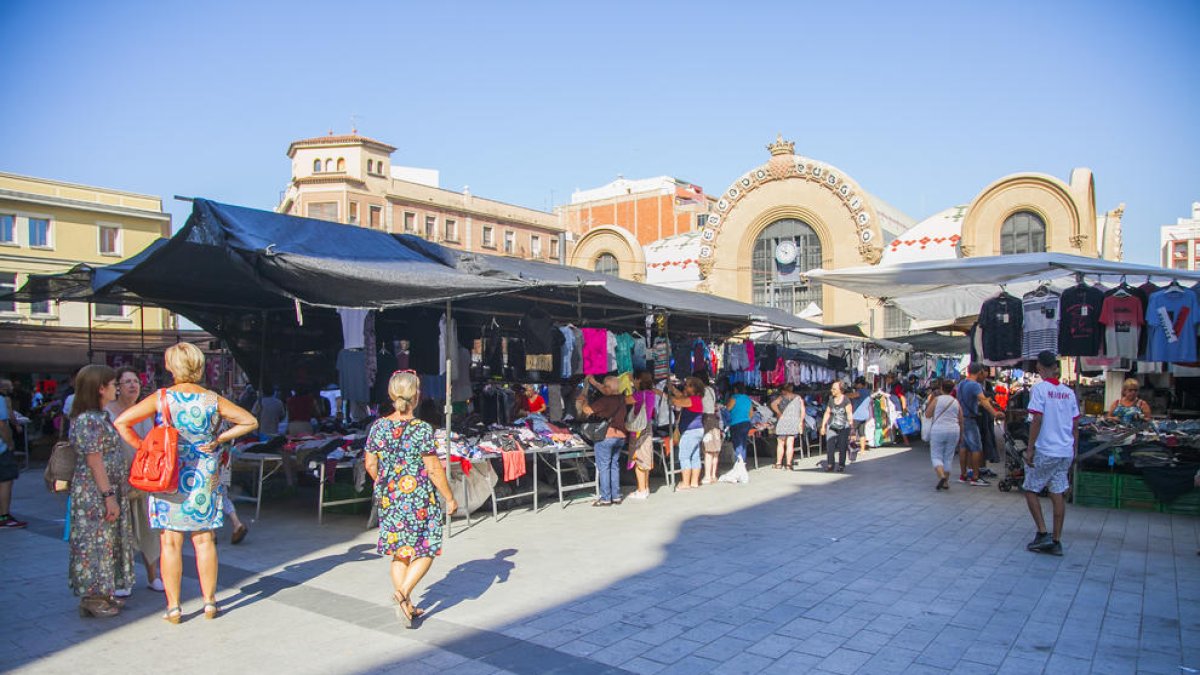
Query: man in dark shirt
x=974, y=404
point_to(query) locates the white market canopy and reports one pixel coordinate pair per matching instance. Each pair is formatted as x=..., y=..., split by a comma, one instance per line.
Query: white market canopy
x=945, y=290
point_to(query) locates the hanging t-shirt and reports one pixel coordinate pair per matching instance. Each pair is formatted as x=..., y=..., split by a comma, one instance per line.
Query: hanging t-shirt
x=1040, y=317
x=1171, y=320
x=1001, y=319
x=595, y=351
x=352, y=327
x=767, y=356
x=1079, y=332
x=625, y=343
x=1122, y=317
x=1057, y=405
x=537, y=330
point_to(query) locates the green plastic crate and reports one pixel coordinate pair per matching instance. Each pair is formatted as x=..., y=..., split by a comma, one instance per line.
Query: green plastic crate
x=1135, y=495
x=1095, y=489
x=1187, y=505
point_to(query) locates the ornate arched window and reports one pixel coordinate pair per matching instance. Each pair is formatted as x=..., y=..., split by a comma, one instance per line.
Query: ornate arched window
x=1023, y=232
x=785, y=250
x=606, y=263
x=329, y=165
x=341, y=164
x=316, y=166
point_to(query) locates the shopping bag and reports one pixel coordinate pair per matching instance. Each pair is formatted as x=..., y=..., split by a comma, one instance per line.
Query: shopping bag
x=908, y=424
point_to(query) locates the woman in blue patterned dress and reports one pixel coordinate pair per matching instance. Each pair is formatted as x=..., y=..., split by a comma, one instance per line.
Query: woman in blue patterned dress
x=195, y=507
x=403, y=463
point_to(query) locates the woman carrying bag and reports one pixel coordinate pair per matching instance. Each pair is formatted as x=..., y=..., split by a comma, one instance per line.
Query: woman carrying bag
x=194, y=507
x=945, y=429
x=101, y=535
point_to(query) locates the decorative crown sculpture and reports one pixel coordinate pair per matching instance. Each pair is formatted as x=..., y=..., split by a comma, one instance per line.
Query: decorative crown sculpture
x=781, y=147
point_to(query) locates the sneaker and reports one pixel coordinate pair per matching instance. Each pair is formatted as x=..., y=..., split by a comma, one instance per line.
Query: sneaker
x=964, y=480
x=979, y=482
x=638, y=495
x=987, y=473
x=1040, y=542
x=122, y=593
x=156, y=585
x=7, y=520
x=1055, y=548
x=942, y=484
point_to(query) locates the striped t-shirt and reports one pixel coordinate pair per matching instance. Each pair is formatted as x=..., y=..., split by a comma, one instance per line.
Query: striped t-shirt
x=1041, y=316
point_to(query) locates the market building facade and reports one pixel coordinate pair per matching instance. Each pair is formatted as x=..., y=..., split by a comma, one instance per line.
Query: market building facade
x=755, y=241
x=49, y=226
x=350, y=179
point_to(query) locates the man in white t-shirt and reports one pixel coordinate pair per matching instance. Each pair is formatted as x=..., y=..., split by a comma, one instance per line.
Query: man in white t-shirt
x=1053, y=437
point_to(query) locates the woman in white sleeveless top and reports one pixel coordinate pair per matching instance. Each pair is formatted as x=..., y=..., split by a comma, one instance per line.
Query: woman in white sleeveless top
x=945, y=433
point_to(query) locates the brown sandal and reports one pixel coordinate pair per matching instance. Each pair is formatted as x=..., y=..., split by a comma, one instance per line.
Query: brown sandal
x=411, y=614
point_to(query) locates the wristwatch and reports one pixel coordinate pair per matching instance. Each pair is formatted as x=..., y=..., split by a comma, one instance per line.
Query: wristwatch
x=110, y=492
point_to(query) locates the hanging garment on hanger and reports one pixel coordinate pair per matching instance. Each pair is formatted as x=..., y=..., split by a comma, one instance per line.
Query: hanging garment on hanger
x=352, y=327
x=611, y=354
x=681, y=353
x=624, y=353
x=371, y=348
x=1001, y=319
x=662, y=358
x=1171, y=319
x=352, y=375
x=595, y=351
x=638, y=354
x=1080, y=332
x=568, y=350
x=1041, y=314
x=1122, y=318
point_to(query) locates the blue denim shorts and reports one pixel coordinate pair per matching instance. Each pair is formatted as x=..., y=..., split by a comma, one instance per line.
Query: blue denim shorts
x=689, y=448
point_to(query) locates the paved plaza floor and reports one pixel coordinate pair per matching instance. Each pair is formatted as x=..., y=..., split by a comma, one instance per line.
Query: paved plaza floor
x=870, y=571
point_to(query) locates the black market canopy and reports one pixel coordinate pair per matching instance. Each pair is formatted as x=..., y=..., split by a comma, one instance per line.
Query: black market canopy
x=267, y=282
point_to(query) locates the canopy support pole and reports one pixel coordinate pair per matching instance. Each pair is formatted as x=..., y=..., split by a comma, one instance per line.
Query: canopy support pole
x=262, y=363
x=142, y=316
x=89, y=311
x=447, y=410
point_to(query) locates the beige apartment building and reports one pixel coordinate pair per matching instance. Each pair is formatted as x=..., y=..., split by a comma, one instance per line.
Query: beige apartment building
x=49, y=226
x=351, y=179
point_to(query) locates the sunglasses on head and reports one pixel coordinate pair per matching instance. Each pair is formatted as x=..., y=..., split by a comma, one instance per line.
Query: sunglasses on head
x=406, y=370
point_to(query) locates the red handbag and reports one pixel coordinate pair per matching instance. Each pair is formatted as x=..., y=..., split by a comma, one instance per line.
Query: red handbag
x=156, y=464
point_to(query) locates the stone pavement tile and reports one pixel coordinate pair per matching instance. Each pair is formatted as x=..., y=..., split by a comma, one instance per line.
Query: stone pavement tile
x=912, y=638
x=941, y=655
x=868, y=641
x=820, y=644
x=578, y=648
x=659, y=633
x=823, y=612
x=610, y=634
x=801, y=627
x=970, y=668
x=985, y=652
x=1157, y=665
x=743, y=664
x=554, y=638
x=791, y=663
x=1068, y=665
x=708, y=631
x=1022, y=663
x=844, y=626
x=888, y=624
x=755, y=630
x=924, y=669
x=890, y=661
x=620, y=652
x=723, y=648
x=689, y=665
x=673, y=650
x=773, y=646
x=643, y=666
x=844, y=661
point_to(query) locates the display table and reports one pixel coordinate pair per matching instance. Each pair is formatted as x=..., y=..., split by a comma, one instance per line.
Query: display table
x=572, y=453
x=259, y=460
x=321, y=474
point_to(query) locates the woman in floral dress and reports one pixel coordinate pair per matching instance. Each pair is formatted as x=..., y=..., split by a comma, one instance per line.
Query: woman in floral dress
x=195, y=507
x=403, y=463
x=101, y=539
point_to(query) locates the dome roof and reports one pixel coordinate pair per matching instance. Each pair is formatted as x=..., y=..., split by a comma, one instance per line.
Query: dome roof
x=935, y=238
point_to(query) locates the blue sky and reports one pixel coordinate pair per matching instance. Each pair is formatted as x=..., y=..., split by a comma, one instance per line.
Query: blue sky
x=923, y=103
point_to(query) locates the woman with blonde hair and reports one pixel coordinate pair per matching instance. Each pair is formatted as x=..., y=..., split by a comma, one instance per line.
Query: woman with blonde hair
x=195, y=507
x=1129, y=408
x=403, y=464
x=101, y=540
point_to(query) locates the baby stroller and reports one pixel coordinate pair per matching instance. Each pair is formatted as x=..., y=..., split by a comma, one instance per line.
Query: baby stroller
x=1014, y=462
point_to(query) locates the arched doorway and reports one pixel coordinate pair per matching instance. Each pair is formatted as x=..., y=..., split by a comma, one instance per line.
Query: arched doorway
x=783, y=251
